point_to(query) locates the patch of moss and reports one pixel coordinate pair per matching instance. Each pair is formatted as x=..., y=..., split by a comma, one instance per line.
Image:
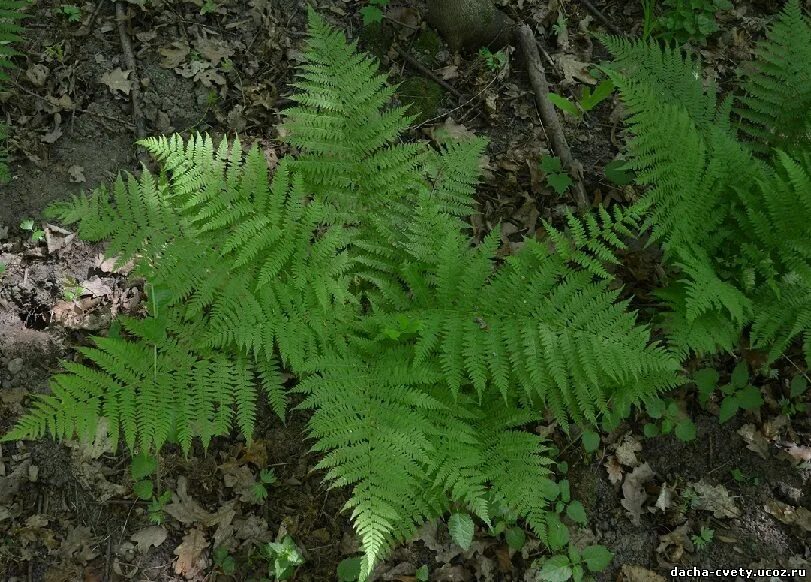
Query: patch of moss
x=376, y=39
x=426, y=46
x=422, y=95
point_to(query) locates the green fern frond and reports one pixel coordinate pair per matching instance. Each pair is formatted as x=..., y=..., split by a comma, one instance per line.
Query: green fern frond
x=777, y=100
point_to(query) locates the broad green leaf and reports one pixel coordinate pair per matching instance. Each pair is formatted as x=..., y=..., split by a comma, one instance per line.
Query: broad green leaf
x=576, y=512
x=591, y=441
x=650, y=430
x=143, y=489
x=559, y=182
x=556, y=569
x=740, y=375
x=141, y=465
x=461, y=528
x=706, y=380
x=798, y=386
x=749, y=398
x=618, y=172
x=349, y=569
x=729, y=406
x=564, y=104
x=557, y=533
x=551, y=164
x=371, y=15
x=422, y=573
x=685, y=430
x=515, y=537
x=655, y=408
x=597, y=558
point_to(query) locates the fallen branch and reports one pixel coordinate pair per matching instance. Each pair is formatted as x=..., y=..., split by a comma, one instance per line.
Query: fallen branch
x=418, y=66
x=602, y=18
x=549, y=117
x=129, y=60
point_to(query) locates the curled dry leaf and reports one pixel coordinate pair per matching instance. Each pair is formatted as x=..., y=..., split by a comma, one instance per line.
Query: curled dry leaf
x=790, y=515
x=633, y=491
x=626, y=452
x=614, y=469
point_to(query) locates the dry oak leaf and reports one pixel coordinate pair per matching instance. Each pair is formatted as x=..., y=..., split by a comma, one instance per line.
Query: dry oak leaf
x=117, y=80
x=639, y=574
x=789, y=515
x=614, y=469
x=715, y=499
x=190, y=560
x=149, y=536
x=755, y=441
x=626, y=452
x=633, y=491
x=174, y=54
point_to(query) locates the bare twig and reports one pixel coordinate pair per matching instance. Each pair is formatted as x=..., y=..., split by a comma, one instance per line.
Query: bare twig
x=129, y=59
x=549, y=116
x=602, y=18
x=415, y=64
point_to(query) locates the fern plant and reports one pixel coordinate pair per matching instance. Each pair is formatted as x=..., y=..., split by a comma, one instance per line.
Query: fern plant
x=10, y=30
x=730, y=187
x=421, y=356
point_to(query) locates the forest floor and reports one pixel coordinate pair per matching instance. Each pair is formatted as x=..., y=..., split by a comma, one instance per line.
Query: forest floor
x=67, y=511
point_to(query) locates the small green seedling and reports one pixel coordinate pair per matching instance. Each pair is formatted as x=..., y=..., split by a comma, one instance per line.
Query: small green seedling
x=36, y=234
x=590, y=440
x=494, y=61
x=224, y=561
x=284, y=556
x=793, y=403
x=672, y=419
x=556, y=176
x=690, y=20
x=373, y=13
x=739, y=394
x=588, y=100
x=2, y=268
x=703, y=539
x=743, y=478
x=574, y=565
x=70, y=11
x=142, y=466
x=259, y=489
x=422, y=573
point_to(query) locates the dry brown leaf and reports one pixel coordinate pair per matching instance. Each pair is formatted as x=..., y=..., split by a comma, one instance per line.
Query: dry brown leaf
x=184, y=508
x=755, y=441
x=639, y=574
x=117, y=80
x=190, y=560
x=614, y=469
x=714, y=498
x=633, y=491
x=451, y=130
x=174, y=54
x=790, y=515
x=673, y=544
x=798, y=453
x=626, y=452
x=148, y=537
x=665, y=499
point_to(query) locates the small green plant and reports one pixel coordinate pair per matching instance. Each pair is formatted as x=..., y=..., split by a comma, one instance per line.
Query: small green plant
x=588, y=99
x=142, y=466
x=744, y=479
x=793, y=403
x=259, y=489
x=575, y=565
x=71, y=12
x=224, y=561
x=208, y=7
x=349, y=569
x=283, y=558
x=422, y=573
x=373, y=12
x=703, y=539
x=72, y=290
x=590, y=440
x=556, y=176
x=36, y=233
x=2, y=268
x=738, y=394
x=648, y=7
x=619, y=172
x=690, y=20
x=495, y=61
x=155, y=509
x=671, y=419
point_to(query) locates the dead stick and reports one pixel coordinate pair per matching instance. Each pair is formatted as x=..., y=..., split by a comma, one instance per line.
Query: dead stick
x=549, y=116
x=415, y=64
x=602, y=18
x=129, y=59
